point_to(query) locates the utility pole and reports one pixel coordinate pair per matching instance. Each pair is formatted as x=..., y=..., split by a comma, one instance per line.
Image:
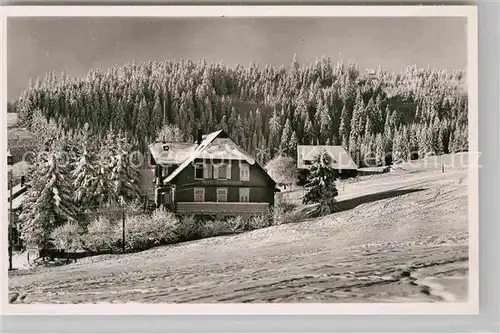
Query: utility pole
x=123, y=229
x=11, y=221
x=10, y=162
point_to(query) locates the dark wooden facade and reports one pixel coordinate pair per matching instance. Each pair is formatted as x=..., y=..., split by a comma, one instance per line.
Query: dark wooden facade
x=261, y=191
x=204, y=187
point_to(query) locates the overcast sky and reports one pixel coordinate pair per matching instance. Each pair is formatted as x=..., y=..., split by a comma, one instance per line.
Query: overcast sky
x=75, y=45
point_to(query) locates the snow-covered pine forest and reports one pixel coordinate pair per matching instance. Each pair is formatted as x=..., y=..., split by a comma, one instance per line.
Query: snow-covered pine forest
x=267, y=109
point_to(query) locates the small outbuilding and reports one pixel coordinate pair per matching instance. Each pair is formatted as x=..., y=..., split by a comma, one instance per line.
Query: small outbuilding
x=340, y=158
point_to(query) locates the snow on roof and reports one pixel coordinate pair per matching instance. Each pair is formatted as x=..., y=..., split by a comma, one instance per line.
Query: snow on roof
x=12, y=119
x=20, y=135
x=193, y=154
x=20, y=141
x=207, y=139
x=341, y=159
x=17, y=202
x=18, y=193
x=214, y=148
x=225, y=148
x=16, y=190
x=171, y=153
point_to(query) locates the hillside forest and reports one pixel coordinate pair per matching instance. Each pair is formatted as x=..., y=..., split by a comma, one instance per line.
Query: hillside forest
x=268, y=110
x=99, y=120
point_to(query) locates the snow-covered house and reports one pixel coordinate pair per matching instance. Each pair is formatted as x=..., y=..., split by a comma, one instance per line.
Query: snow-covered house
x=340, y=158
x=18, y=194
x=212, y=177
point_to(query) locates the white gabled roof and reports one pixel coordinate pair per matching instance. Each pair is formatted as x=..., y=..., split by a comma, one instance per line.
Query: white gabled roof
x=341, y=158
x=176, y=154
x=193, y=154
x=217, y=147
x=213, y=147
x=224, y=149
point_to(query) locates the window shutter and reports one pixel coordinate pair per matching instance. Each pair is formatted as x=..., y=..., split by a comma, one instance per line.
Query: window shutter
x=228, y=171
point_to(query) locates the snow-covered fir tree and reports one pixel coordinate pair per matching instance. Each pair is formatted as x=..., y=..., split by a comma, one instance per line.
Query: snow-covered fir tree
x=170, y=134
x=320, y=187
x=379, y=150
x=123, y=175
x=397, y=150
x=84, y=173
x=49, y=201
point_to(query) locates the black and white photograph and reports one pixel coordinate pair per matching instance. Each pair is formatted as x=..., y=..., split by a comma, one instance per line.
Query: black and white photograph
x=241, y=156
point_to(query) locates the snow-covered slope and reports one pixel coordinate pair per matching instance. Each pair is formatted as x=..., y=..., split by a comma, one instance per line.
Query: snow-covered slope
x=409, y=246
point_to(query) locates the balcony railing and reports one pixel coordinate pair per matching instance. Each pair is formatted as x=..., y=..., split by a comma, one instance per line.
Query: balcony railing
x=226, y=208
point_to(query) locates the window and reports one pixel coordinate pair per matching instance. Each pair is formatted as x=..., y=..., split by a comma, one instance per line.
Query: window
x=244, y=172
x=244, y=194
x=221, y=194
x=199, y=194
x=167, y=198
x=207, y=171
x=198, y=171
x=222, y=171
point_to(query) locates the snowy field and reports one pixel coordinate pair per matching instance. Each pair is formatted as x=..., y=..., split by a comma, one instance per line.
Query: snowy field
x=401, y=237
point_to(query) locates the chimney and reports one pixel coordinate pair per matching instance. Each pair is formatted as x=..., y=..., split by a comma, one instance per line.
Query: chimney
x=199, y=137
x=22, y=180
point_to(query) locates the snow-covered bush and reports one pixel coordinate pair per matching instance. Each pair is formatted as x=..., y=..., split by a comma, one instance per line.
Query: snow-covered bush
x=281, y=217
x=100, y=236
x=283, y=170
x=285, y=204
x=189, y=228
x=257, y=222
x=136, y=233
x=236, y=224
x=285, y=212
x=143, y=231
x=165, y=224
x=214, y=228
x=67, y=237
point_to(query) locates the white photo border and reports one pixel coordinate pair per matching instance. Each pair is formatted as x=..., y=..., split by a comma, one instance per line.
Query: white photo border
x=465, y=308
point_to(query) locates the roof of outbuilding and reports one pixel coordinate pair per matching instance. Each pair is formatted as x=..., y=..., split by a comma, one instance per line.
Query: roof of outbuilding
x=341, y=158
